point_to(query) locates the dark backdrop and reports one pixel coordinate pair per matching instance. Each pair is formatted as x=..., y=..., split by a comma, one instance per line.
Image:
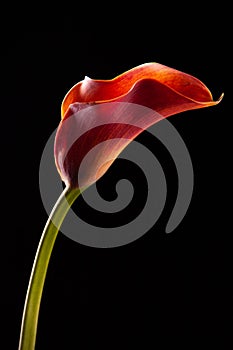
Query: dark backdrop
x=161, y=288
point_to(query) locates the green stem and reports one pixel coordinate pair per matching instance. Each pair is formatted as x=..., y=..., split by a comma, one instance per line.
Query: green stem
x=39, y=269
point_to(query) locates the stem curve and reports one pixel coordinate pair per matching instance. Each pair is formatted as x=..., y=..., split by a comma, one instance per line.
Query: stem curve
x=36, y=283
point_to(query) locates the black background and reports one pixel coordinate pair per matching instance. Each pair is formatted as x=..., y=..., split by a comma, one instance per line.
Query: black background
x=161, y=289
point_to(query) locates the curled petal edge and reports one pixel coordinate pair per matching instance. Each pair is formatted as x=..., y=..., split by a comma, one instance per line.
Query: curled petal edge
x=89, y=91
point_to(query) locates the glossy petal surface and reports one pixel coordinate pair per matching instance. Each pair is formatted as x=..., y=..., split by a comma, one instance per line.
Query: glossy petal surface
x=101, y=117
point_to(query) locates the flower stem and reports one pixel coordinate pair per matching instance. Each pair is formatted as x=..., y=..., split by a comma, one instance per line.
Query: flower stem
x=39, y=269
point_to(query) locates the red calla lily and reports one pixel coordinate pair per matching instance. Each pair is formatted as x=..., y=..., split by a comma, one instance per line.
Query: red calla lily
x=99, y=119
x=96, y=111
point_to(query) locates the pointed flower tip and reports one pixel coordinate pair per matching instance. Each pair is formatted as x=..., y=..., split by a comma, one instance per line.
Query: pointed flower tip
x=220, y=98
x=215, y=102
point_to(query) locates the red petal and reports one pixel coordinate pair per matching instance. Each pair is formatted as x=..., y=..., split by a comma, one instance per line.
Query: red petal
x=97, y=111
x=90, y=90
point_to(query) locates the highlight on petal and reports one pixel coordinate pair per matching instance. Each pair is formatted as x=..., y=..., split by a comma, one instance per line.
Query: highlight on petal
x=99, y=91
x=105, y=115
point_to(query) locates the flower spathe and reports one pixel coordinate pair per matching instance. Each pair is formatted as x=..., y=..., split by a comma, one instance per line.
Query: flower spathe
x=97, y=111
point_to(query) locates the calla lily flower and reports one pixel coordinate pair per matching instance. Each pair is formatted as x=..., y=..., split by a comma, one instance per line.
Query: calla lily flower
x=161, y=90
x=99, y=119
